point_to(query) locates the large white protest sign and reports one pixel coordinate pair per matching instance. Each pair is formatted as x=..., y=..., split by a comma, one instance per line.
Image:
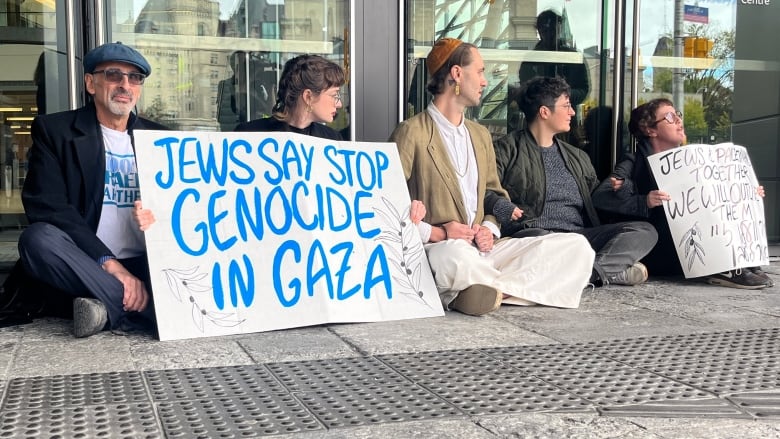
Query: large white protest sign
x=262, y=231
x=716, y=216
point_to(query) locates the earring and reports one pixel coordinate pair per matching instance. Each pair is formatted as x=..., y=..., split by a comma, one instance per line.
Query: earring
x=457, y=89
x=308, y=108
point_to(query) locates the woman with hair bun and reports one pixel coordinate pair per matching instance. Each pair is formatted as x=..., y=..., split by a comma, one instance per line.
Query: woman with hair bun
x=309, y=96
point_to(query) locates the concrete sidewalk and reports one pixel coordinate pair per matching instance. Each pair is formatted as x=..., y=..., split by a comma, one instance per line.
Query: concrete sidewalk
x=670, y=358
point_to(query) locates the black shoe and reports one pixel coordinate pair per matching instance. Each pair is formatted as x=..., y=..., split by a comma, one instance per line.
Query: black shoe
x=762, y=274
x=89, y=316
x=739, y=278
x=134, y=323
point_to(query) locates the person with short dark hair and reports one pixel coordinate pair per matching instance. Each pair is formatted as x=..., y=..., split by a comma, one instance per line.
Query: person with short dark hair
x=449, y=165
x=308, y=96
x=631, y=192
x=553, y=38
x=552, y=181
x=81, y=198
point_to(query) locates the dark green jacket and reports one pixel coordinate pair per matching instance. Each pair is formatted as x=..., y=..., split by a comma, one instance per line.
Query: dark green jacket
x=521, y=172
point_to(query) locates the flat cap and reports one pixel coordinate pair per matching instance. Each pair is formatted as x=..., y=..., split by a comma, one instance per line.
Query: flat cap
x=440, y=53
x=116, y=52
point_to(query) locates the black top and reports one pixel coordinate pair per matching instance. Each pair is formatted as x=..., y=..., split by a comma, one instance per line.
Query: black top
x=272, y=124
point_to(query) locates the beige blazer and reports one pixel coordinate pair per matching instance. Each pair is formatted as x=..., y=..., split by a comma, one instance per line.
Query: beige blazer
x=431, y=176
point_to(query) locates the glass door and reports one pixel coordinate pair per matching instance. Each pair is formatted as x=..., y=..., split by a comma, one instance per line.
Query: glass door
x=217, y=63
x=33, y=80
x=518, y=40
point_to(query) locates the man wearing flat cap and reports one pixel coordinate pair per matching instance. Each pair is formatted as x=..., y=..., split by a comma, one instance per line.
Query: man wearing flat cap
x=450, y=166
x=81, y=198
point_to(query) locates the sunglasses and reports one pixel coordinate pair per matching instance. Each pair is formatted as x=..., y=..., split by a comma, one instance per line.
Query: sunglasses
x=670, y=117
x=116, y=76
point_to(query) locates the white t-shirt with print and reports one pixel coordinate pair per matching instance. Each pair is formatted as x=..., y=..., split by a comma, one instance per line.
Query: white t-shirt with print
x=117, y=228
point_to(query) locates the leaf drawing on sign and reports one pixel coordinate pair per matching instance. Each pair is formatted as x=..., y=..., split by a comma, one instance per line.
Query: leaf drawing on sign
x=404, y=249
x=188, y=283
x=692, y=243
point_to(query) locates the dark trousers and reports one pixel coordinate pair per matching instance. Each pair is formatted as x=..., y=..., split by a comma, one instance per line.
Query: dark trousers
x=617, y=246
x=620, y=245
x=50, y=256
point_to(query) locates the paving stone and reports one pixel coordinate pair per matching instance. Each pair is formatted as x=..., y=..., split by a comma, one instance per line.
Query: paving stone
x=199, y=352
x=454, y=331
x=295, y=344
x=100, y=353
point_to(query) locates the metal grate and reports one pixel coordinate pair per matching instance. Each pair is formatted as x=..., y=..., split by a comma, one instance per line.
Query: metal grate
x=131, y=421
x=243, y=416
x=335, y=373
x=346, y=407
x=702, y=408
x=215, y=382
x=75, y=390
x=764, y=405
x=728, y=374
x=646, y=351
x=724, y=377
x=478, y=384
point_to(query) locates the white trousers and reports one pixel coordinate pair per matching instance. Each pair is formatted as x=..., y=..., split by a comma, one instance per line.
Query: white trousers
x=548, y=270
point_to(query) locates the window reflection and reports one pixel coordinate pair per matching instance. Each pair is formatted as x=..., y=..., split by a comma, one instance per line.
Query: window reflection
x=217, y=63
x=505, y=32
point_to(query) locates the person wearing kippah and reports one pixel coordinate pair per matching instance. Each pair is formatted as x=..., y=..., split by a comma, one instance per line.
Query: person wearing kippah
x=552, y=181
x=450, y=168
x=81, y=198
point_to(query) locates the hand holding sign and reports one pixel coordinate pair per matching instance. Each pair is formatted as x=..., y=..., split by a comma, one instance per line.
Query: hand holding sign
x=714, y=207
x=657, y=198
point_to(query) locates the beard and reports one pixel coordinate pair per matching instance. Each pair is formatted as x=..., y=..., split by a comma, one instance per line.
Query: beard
x=121, y=108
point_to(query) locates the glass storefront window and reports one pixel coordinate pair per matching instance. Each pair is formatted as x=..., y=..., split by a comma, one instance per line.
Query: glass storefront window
x=217, y=63
x=698, y=76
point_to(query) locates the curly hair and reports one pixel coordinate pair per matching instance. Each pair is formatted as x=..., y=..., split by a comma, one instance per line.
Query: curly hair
x=460, y=57
x=541, y=91
x=643, y=117
x=303, y=72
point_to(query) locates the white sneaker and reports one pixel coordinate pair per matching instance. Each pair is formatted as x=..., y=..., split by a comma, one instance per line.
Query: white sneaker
x=633, y=275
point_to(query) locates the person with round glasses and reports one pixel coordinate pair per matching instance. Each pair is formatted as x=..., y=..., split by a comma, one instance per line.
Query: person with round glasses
x=631, y=191
x=308, y=97
x=81, y=198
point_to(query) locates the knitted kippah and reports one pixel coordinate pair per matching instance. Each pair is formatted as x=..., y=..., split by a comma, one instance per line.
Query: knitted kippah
x=441, y=52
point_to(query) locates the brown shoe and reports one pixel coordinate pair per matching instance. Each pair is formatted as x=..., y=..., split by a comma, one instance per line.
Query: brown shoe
x=477, y=300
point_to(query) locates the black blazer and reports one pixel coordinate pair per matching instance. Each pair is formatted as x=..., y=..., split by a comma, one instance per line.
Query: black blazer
x=66, y=174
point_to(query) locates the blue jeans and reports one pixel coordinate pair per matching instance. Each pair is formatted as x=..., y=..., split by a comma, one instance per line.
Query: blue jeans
x=50, y=256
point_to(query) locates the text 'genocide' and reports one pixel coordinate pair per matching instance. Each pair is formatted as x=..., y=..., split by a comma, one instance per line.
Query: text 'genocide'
x=235, y=191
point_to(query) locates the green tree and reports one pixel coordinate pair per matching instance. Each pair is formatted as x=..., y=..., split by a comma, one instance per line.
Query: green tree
x=696, y=128
x=155, y=112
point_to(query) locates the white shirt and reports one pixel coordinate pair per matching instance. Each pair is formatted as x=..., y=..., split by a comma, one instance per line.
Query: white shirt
x=117, y=228
x=461, y=151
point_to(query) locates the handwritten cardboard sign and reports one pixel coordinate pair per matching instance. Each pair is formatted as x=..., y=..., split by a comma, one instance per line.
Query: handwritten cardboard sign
x=716, y=216
x=263, y=231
